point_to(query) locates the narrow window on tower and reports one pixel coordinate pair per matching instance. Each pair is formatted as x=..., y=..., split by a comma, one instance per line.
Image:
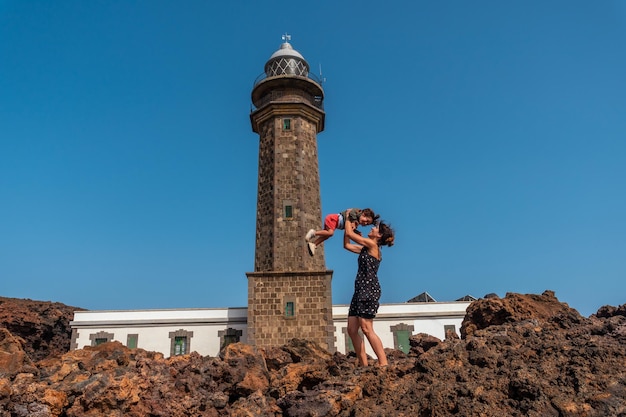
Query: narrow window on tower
x=290, y=307
x=286, y=124
x=288, y=210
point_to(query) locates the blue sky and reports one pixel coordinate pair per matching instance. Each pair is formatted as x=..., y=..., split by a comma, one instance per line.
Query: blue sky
x=490, y=134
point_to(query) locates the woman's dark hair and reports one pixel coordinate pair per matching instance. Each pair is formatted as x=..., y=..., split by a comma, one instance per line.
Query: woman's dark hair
x=387, y=235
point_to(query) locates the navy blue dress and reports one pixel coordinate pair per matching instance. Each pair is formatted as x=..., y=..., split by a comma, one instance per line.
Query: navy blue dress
x=366, y=287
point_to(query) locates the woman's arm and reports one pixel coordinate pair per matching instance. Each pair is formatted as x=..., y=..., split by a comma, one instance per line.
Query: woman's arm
x=370, y=244
x=347, y=244
x=357, y=237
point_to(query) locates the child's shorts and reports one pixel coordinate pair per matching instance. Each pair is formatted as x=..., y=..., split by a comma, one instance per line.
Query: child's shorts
x=331, y=222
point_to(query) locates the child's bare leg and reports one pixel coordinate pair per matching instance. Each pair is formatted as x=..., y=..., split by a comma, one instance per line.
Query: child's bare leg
x=322, y=235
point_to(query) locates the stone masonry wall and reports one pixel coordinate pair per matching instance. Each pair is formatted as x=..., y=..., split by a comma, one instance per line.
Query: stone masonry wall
x=288, y=205
x=264, y=253
x=288, y=175
x=268, y=294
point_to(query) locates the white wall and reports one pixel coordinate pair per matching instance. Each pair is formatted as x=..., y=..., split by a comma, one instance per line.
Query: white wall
x=429, y=318
x=154, y=326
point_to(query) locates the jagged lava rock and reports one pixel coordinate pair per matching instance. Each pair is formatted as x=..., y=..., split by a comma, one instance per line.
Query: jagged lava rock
x=44, y=326
x=521, y=355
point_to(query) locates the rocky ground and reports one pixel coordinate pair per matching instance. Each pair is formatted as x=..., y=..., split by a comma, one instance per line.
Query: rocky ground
x=521, y=355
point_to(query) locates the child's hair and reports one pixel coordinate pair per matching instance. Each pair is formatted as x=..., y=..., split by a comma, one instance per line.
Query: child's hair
x=368, y=212
x=387, y=234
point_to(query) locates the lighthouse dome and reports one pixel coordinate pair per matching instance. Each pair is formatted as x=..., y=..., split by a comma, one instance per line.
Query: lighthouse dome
x=286, y=61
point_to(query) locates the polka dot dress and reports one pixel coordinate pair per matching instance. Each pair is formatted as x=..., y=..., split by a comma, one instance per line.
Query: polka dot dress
x=366, y=287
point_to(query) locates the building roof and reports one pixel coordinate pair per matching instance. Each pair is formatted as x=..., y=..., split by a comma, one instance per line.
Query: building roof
x=286, y=61
x=422, y=298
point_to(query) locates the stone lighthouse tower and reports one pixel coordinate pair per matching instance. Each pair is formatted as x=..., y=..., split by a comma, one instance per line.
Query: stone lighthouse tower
x=289, y=292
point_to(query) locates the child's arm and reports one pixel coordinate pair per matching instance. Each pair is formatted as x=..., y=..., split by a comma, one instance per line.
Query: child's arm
x=349, y=219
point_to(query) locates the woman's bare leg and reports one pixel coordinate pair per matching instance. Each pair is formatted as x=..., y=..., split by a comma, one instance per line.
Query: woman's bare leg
x=357, y=340
x=367, y=326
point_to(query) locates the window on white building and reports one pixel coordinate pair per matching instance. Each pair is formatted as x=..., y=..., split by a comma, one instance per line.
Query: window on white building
x=180, y=345
x=229, y=336
x=100, y=338
x=401, y=334
x=180, y=342
x=449, y=328
x=131, y=341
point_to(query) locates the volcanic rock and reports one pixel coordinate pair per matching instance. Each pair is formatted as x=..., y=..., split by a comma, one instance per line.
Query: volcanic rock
x=44, y=326
x=521, y=355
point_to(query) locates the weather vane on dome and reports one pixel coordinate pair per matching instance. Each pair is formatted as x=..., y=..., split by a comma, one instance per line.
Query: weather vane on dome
x=286, y=37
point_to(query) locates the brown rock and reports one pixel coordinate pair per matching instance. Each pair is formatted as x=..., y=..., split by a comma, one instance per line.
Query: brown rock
x=610, y=311
x=12, y=355
x=44, y=326
x=521, y=355
x=513, y=308
x=421, y=343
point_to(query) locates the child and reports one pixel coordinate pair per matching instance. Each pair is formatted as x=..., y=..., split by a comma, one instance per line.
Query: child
x=364, y=217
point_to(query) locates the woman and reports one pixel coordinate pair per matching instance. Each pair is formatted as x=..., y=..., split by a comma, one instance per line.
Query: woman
x=364, y=304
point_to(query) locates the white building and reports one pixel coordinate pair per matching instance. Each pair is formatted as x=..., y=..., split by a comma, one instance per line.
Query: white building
x=207, y=330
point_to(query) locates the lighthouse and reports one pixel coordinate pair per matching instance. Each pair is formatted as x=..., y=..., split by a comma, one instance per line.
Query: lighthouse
x=289, y=291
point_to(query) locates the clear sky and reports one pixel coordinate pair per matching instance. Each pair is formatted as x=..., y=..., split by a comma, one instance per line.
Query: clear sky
x=490, y=134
